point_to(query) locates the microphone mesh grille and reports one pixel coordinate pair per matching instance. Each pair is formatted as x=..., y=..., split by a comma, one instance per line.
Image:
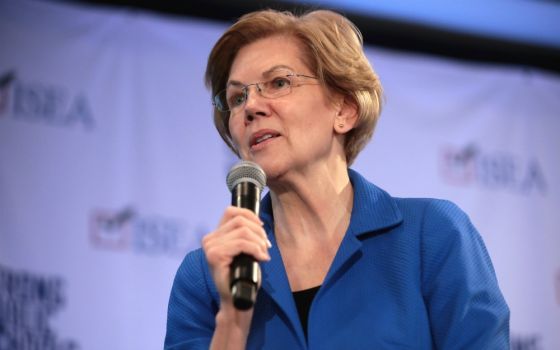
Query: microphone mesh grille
x=246, y=171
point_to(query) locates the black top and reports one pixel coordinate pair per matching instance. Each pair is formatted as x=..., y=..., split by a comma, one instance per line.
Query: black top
x=303, y=299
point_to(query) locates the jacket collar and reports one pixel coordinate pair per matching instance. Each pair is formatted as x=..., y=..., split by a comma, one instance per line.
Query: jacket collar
x=373, y=210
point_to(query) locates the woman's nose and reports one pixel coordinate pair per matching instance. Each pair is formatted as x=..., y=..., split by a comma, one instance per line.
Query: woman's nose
x=250, y=96
x=254, y=105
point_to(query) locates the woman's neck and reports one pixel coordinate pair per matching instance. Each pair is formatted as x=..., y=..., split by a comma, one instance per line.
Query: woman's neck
x=314, y=207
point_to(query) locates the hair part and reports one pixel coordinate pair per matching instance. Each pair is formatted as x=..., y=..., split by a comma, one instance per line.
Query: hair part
x=333, y=51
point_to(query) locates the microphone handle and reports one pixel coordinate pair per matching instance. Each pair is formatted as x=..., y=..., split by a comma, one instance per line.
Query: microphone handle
x=245, y=272
x=245, y=276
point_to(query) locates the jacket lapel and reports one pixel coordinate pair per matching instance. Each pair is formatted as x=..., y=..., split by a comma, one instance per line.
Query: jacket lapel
x=373, y=210
x=274, y=279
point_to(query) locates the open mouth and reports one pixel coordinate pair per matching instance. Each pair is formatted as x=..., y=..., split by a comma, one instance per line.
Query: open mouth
x=263, y=137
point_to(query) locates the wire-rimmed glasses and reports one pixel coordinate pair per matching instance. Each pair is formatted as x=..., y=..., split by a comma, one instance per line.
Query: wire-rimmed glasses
x=234, y=96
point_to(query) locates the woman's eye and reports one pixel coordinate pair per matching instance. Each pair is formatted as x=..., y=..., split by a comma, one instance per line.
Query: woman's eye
x=280, y=83
x=236, y=100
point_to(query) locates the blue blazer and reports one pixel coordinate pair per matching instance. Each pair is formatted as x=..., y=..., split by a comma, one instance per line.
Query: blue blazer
x=409, y=274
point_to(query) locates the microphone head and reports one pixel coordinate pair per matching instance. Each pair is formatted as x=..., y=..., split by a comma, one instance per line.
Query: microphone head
x=246, y=171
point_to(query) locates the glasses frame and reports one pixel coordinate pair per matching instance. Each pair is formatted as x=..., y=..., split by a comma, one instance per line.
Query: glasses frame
x=216, y=100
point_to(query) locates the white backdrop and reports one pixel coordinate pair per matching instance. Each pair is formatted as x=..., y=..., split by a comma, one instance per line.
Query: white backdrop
x=110, y=170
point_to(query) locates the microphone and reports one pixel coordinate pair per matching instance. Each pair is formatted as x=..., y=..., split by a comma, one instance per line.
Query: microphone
x=246, y=181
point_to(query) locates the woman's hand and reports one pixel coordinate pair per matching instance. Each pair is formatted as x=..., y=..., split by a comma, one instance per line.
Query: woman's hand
x=239, y=231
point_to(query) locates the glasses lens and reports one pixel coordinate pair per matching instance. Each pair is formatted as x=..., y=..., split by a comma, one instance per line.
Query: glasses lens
x=280, y=84
x=235, y=97
x=220, y=101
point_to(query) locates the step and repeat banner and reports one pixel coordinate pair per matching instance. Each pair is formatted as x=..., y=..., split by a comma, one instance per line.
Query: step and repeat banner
x=111, y=170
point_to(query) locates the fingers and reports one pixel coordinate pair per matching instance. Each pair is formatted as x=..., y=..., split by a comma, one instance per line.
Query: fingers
x=240, y=231
x=222, y=251
x=230, y=241
x=239, y=217
x=232, y=211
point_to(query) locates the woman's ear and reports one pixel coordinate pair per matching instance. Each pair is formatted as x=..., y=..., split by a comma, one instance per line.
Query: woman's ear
x=346, y=117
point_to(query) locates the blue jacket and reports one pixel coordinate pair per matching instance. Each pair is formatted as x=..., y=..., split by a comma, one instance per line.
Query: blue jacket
x=409, y=274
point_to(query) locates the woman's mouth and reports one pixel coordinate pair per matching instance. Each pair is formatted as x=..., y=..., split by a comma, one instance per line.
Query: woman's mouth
x=261, y=138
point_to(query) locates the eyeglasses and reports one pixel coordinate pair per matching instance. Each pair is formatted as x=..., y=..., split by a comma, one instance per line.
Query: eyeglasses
x=234, y=97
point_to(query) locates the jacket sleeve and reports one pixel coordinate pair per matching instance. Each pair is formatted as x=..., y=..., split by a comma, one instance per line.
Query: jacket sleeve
x=465, y=305
x=192, y=309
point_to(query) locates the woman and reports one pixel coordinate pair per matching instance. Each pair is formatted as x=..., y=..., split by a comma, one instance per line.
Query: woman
x=345, y=265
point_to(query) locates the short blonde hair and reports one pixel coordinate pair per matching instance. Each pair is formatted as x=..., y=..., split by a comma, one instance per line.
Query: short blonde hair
x=333, y=50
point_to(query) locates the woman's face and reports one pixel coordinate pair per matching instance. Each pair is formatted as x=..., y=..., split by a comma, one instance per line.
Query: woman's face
x=301, y=123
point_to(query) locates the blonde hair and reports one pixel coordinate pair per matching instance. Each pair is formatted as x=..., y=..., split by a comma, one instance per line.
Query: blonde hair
x=333, y=50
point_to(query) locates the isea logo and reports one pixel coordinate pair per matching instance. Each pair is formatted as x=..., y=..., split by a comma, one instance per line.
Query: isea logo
x=47, y=104
x=127, y=230
x=471, y=166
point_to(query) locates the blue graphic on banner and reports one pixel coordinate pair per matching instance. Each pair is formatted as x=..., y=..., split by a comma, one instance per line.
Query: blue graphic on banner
x=126, y=230
x=27, y=301
x=525, y=342
x=50, y=105
x=469, y=166
x=5, y=83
